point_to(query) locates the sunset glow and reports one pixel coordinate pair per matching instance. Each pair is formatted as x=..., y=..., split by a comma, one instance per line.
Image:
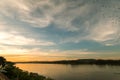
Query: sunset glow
x=44, y=30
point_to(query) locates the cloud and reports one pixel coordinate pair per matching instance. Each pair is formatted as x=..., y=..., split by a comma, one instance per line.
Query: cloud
x=44, y=52
x=12, y=50
x=99, y=24
x=42, y=13
x=14, y=39
x=12, y=10
x=106, y=32
x=21, y=11
x=65, y=18
x=20, y=51
x=60, y=53
x=46, y=23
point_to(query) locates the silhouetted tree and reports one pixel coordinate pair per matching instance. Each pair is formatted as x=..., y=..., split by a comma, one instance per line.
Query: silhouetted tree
x=2, y=61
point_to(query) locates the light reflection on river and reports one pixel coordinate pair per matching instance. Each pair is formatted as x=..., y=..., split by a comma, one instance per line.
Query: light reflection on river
x=74, y=72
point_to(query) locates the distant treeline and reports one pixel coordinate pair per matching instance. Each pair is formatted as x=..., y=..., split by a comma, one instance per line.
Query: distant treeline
x=79, y=61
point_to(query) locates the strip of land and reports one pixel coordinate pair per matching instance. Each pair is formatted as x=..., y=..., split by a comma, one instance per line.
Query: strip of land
x=78, y=61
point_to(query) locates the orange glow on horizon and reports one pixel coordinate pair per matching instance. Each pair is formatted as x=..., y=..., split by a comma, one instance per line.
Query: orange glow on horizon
x=35, y=58
x=46, y=58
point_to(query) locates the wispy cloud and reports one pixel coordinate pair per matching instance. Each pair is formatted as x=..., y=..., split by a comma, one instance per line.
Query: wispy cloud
x=106, y=32
x=14, y=39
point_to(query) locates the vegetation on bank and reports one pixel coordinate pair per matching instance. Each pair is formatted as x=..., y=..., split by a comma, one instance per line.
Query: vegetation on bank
x=14, y=73
x=79, y=61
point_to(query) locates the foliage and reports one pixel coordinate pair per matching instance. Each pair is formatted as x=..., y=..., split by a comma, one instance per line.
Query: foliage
x=2, y=61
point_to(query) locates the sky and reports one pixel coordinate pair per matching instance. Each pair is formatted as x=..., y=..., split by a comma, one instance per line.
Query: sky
x=33, y=30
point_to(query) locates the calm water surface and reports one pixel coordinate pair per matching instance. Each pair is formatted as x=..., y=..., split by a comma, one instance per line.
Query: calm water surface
x=74, y=72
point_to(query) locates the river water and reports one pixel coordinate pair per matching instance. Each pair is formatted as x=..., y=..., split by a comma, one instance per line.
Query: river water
x=74, y=72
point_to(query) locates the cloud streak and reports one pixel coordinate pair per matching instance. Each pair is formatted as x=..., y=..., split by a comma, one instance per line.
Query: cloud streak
x=13, y=39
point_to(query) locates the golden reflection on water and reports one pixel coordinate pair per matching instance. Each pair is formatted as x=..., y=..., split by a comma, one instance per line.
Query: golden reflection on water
x=73, y=72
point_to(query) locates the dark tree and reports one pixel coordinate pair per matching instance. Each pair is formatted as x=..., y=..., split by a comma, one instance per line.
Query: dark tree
x=2, y=61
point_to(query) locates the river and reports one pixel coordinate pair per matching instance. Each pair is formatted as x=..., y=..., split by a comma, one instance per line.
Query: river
x=74, y=72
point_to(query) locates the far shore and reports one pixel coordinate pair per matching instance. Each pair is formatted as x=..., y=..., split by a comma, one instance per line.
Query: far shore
x=77, y=62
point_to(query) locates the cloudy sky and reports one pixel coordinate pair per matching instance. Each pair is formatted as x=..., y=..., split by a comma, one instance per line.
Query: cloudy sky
x=59, y=29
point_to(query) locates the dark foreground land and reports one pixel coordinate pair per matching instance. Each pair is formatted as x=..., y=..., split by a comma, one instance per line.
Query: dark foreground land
x=79, y=61
x=10, y=72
